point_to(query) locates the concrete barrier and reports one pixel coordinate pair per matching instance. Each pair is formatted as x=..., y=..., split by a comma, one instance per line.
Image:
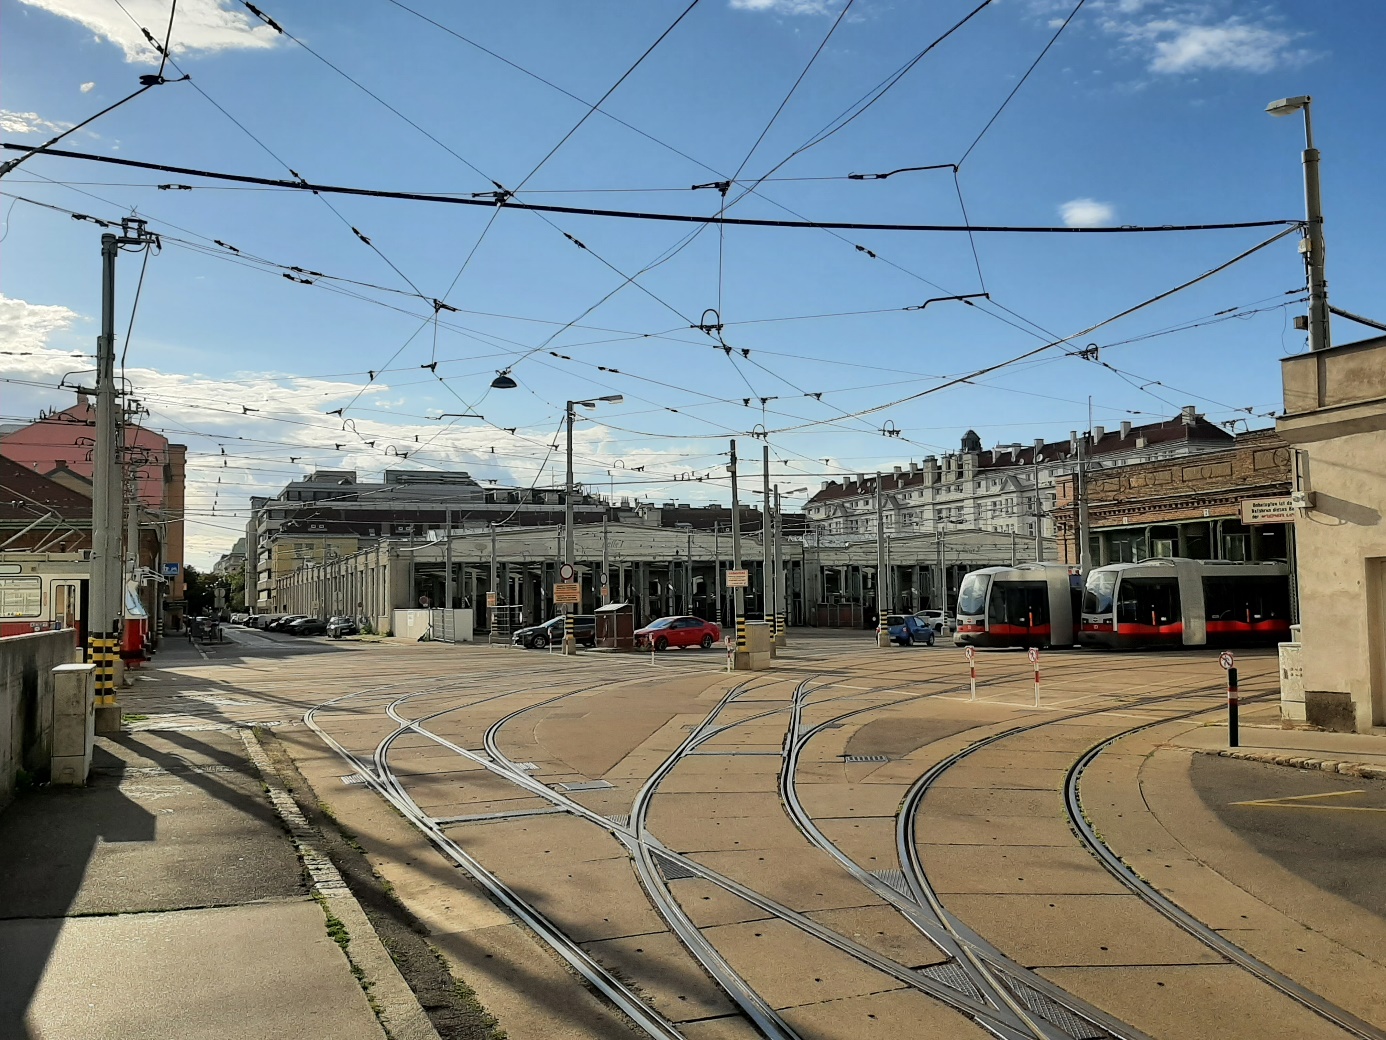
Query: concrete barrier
x=755, y=655
x=74, y=723
x=26, y=704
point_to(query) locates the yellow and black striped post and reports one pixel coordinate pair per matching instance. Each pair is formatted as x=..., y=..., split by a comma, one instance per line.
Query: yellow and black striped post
x=741, y=634
x=779, y=630
x=103, y=656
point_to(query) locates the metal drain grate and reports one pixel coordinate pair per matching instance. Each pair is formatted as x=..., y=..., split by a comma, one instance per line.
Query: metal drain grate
x=354, y=778
x=528, y=767
x=954, y=976
x=587, y=785
x=622, y=819
x=865, y=758
x=894, y=878
x=1051, y=1011
x=672, y=869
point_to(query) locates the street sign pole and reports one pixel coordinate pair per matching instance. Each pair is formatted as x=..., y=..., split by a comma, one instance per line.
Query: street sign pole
x=1229, y=664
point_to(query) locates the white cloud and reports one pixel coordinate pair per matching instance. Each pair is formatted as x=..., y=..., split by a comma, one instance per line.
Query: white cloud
x=1087, y=213
x=86, y=88
x=28, y=123
x=200, y=25
x=1179, y=36
x=810, y=7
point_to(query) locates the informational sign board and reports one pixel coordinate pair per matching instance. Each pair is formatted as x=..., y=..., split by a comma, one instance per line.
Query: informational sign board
x=567, y=592
x=1268, y=510
x=171, y=570
x=738, y=579
x=490, y=599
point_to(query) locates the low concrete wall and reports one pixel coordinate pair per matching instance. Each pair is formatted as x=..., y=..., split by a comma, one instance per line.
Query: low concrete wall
x=26, y=703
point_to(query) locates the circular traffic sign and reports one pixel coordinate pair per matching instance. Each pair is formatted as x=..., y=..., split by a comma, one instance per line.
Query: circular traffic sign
x=971, y=653
x=566, y=572
x=1034, y=655
x=1226, y=659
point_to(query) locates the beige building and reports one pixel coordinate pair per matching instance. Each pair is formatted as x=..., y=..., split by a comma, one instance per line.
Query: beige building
x=1335, y=415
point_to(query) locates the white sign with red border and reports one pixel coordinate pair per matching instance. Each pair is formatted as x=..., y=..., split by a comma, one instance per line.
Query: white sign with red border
x=1227, y=660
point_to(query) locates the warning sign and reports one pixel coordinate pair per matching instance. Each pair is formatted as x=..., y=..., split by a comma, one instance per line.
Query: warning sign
x=566, y=592
x=738, y=579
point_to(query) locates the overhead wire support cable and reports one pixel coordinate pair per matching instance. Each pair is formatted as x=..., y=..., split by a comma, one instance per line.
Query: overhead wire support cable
x=685, y=218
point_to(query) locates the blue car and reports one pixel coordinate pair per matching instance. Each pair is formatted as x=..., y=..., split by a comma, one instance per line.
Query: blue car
x=906, y=629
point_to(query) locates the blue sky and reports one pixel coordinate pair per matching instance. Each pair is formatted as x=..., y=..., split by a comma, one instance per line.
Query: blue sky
x=1143, y=112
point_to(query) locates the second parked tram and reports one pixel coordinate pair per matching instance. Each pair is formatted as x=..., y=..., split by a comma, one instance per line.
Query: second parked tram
x=1031, y=604
x=1177, y=602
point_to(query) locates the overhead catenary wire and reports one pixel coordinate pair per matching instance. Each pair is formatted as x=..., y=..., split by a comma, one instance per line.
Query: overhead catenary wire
x=685, y=218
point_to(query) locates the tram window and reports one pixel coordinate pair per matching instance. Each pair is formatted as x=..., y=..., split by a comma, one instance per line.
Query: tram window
x=972, y=597
x=1148, y=601
x=1097, y=596
x=21, y=597
x=1246, y=599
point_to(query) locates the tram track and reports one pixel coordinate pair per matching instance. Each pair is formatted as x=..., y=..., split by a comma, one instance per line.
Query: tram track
x=1152, y=897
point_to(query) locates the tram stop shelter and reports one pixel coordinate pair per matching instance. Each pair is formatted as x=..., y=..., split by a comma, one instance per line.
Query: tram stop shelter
x=616, y=626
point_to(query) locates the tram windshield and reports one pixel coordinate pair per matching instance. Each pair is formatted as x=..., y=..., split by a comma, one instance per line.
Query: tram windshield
x=1097, y=596
x=972, y=597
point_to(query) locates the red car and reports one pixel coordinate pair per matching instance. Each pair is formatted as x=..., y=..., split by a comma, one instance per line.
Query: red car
x=678, y=631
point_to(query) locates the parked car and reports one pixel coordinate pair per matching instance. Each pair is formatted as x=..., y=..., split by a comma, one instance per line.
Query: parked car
x=282, y=622
x=939, y=620
x=536, y=637
x=678, y=631
x=342, y=626
x=308, y=626
x=908, y=629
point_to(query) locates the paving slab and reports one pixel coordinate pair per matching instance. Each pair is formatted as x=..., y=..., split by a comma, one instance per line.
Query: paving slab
x=848, y=800
x=885, y=930
x=686, y=834
x=788, y=967
x=730, y=1027
x=1015, y=868
x=1180, y=1002
x=665, y=975
x=869, y=843
x=802, y=879
x=888, y=1015
x=1050, y=930
x=214, y=974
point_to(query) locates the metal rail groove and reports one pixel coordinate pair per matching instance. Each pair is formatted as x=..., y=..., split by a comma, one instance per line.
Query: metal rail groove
x=388, y=787
x=1148, y=894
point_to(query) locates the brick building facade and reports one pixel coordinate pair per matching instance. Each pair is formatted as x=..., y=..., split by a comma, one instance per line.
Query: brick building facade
x=1189, y=507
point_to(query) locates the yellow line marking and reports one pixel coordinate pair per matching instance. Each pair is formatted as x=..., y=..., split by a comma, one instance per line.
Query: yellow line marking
x=1298, y=802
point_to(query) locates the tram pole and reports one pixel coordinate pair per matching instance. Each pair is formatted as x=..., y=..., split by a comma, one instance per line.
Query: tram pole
x=739, y=595
x=767, y=583
x=882, y=629
x=105, y=537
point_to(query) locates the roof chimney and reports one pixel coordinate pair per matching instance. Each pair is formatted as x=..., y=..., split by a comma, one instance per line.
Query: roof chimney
x=914, y=467
x=1125, y=430
x=824, y=486
x=1098, y=432
x=899, y=470
x=861, y=478
x=1188, y=414
x=1039, y=444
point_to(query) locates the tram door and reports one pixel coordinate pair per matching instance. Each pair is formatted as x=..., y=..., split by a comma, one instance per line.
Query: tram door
x=1019, y=609
x=64, y=605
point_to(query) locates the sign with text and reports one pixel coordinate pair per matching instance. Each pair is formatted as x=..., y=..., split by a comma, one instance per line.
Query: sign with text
x=567, y=592
x=1268, y=510
x=171, y=570
x=738, y=579
x=490, y=599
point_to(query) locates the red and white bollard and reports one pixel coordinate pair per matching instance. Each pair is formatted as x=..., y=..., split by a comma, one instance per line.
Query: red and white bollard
x=971, y=669
x=1034, y=660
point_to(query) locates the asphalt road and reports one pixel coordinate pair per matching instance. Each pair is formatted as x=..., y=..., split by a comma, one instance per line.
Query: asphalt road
x=1313, y=825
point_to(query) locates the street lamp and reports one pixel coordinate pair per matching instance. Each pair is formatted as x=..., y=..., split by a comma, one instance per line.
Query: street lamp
x=569, y=412
x=1313, y=206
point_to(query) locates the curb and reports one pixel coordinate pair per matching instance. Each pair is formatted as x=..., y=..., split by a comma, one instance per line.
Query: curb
x=398, y=1009
x=1299, y=762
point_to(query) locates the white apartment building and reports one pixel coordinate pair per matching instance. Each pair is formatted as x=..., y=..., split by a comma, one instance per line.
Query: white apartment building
x=1008, y=489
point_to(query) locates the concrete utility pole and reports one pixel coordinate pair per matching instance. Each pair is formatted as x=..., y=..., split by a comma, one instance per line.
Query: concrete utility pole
x=781, y=610
x=106, y=599
x=739, y=596
x=447, y=577
x=605, y=587
x=1039, y=513
x=767, y=585
x=717, y=567
x=882, y=630
x=569, y=639
x=1319, y=338
x=1085, y=563
x=493, y=596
